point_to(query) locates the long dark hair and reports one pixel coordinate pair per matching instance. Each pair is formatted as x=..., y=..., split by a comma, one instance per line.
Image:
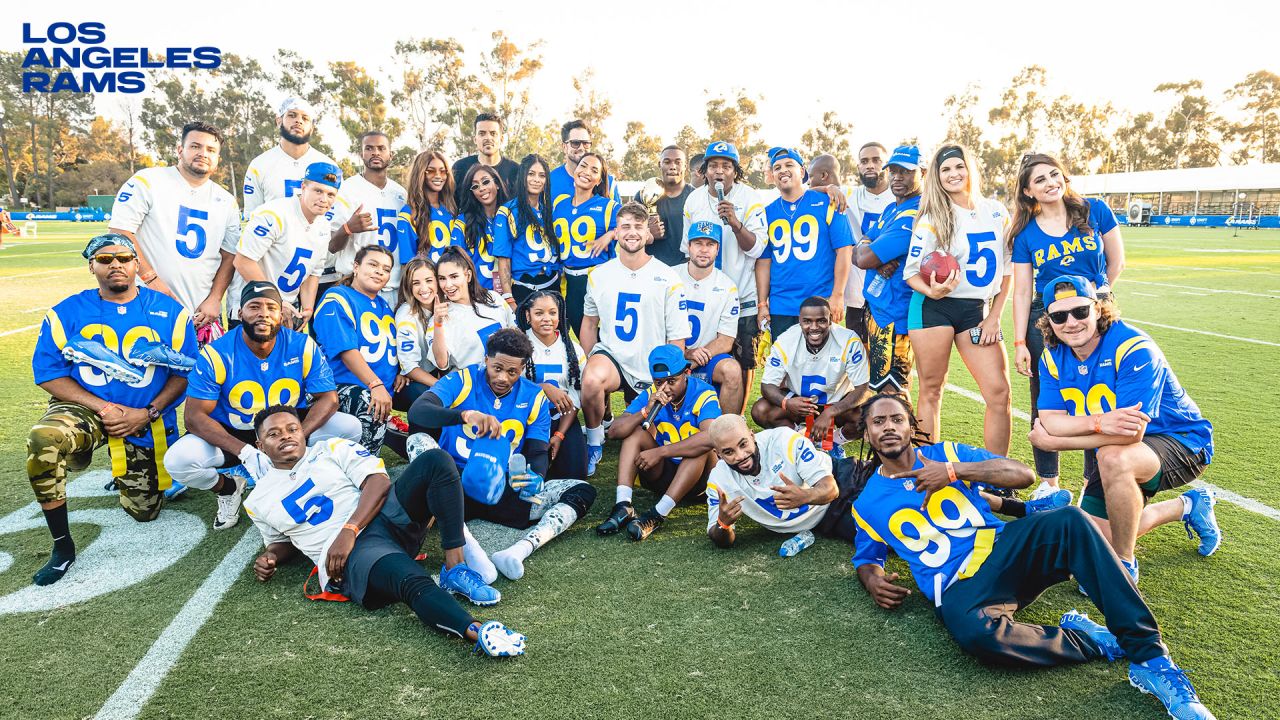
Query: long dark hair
x=1025, y=208
x=458, y=256
x=602, y=187
x=525, y=215
x=522, y=322
x=361, y=254
x=472, y=211
x=419, y=206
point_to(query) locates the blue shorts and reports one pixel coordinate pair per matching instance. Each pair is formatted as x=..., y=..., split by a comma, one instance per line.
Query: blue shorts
x=705, y=372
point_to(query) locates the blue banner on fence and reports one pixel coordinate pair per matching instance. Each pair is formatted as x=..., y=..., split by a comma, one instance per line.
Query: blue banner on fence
x=1213, y=221
x=77, y=215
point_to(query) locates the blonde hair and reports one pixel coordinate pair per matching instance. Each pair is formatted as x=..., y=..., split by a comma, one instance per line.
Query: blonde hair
x=936, y=203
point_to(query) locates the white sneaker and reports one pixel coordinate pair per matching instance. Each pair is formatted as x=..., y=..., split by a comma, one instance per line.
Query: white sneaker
x=419, y=443
x=1044, y=489
x=229, y=506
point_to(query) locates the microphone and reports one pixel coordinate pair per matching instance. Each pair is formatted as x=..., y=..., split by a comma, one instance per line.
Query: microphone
x=720, y=191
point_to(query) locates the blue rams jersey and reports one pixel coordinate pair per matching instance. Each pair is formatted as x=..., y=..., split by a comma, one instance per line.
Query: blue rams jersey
x=673, y=424
x=524, y=412
x=482, y=255
x=577, y=226
x=946, y=541
x=890, y=240
x=1075, y=253
x=243, y=383
x=562, y=184
x=148, y=316
x=348, y=320
x=530, y=251
x=803, y=238
x=445, y=229
x=1125, y=369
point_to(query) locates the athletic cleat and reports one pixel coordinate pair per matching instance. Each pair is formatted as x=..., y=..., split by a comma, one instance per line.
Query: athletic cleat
x=619, y=517
x=836, y=452
x=796, y=544
x=241, y=471
x=1102, y=637
x=229, y=505
x=419, y=443
x=1202, y=521
x=1170, y=685
x=52, y=572
x=175, y=490
x=1043, y=489
x=497, y=640
x=1132, y=567
x=92, y=352
x=1045, y=503
x=594, y=453
x=462, y=580
x=644, y=526
x=149, y=352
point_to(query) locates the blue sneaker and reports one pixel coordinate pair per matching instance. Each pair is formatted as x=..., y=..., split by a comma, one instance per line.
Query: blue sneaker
x=175, y=490
x=91, y=352
x=240, y=472
x=1102, y=637
x=1201, y=520
x=1045, y=503
x=462, y=580
x=497, y=640
x=1132, y=567
x=150, y=352
x=594, y=453
x=1169, y=683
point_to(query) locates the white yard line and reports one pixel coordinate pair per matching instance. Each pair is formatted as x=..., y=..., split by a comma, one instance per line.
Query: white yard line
x=15, y=331
x=1237, y=338
x=36, y=274
x=1143, y=294
x=1204, y=289
x=1202, y=269
x=128, y=700
x=1188, y=292
x=41, y=254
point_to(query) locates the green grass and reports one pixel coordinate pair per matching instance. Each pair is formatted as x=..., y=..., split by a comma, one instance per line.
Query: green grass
x=673, y=627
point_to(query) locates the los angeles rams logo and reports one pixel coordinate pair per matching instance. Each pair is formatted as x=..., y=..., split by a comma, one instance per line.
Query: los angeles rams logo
x=720, y=147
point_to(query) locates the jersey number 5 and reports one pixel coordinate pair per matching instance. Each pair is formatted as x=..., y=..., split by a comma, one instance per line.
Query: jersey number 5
x=314, y=511
x=191, y=235
x=627, y=314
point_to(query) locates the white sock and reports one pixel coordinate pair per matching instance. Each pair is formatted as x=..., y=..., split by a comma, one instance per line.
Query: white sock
x=1186, y=505
x=595, y=435
x=476, y=558
x=665, y=505
x=838, y=437
x=511, y=560
x=624, y=494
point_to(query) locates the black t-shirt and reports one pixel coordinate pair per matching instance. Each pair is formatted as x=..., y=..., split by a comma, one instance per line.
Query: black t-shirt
x=671, y=210
x=507, y=168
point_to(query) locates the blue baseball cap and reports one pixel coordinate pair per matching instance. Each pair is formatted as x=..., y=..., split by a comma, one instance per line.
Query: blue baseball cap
x=1080, y=287
x=705, y=229
x=777, y=153
x=905, y=156
x=484, y=477
x=324, y=173
x=722, y=149
x=666, y=360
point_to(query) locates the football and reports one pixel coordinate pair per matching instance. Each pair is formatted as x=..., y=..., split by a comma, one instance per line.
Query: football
x=937, y=265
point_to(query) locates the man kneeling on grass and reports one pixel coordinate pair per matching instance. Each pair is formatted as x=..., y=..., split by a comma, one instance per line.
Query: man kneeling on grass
x=334, y=503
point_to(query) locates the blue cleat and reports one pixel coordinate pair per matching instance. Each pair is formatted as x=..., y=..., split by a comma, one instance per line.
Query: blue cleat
x=1045, y=503
x=149, y=352
x=94, y=353
x=1202, y=521
x=240, y=472
x=1102, y=637
x=462, y=580
x=1132, y=567
x=497, y=640
x=1169, y=683
x=594, y=453
x=175, y=490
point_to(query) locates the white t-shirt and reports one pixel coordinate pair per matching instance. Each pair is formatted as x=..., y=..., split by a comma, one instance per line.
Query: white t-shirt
x=551, y=365
x=713, y=306
x=638, y=310
x=182, y=230
x=829, y=374
x=738, y=265
x=414, y=339
x=782, y=450
x=384, y=205
x=977, y=244
x=864, y=210
x=308, y=505
x=465, y=332
x=274, y=175
x=288, y=247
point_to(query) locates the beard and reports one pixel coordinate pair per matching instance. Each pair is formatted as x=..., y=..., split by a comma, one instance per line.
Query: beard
x=754, y=468
x=871, y=180
x=295, y=139
x=251, y=330
x=892, y=454
x=118, y=286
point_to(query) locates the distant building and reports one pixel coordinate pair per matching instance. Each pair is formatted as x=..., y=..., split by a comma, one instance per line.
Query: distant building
x=1238, y=195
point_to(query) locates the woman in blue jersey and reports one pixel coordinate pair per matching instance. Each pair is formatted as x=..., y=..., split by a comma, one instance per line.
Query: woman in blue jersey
x=964, y=310
x=418, y=293
x=556, y=364
x=356, y=330
x=528, y=254
x=429, y=222
x=584, y=225
x=483, y=195
x=465, y=315
x=1055, y=232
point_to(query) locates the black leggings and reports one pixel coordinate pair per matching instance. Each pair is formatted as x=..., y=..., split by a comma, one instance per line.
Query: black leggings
x=430, y=487
x=399, y=578
x=575, y=298
x=571, y=459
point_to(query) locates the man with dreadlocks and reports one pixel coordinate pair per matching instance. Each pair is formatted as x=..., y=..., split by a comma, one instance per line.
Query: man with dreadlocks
x=977, y=570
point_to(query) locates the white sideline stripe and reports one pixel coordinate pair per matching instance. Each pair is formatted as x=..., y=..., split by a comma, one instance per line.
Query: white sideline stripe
x=1222, y=493
x=1255, y=341
x=127, y=701
x=34, y=274
x=1203, y=269
x=1143, y=294
x=1204, y=289
x=15, y=331
x=1188, y=292
x=41, y=254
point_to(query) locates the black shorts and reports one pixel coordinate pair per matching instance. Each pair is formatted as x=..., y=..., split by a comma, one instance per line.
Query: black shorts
x=748, y=342
x=959, y=314
x=851, y=476
x=697, y=494
x=1178, y=466
x=392, y=531
x=628, y=384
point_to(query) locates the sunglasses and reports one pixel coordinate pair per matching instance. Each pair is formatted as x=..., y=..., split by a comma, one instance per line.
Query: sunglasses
x=580, y=144
x=432, y=172
x=1080, y=313
x=108, y=258
x=483, y=183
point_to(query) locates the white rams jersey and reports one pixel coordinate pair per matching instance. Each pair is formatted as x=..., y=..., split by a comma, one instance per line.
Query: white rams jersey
x=466, y=331
x=977, y=244
x=413, y=341
x=383, y=205
x=783, y=451
x=551, y=365
x=739, y=265
x=838, y=367
x=865, y=208
x=181, y=230
x=638, y=310
x=713, y=306
x=289, y=249
x=274, y=175
x=308, y=505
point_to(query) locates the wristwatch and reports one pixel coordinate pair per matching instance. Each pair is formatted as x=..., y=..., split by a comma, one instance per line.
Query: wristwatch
x=152, y=413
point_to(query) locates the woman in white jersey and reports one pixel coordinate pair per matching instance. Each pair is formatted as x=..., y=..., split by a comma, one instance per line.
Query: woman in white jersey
x=965, y=309
x=413, y=331
x=556, y=364
x=466, y=314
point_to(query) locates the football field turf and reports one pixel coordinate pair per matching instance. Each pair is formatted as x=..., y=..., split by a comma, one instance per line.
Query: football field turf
x=669, y=628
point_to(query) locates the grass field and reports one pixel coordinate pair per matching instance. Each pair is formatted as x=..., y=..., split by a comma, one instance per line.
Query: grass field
x=671, y=627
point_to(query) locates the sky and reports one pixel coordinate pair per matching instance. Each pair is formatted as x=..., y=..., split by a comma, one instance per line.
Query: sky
x=884, y=67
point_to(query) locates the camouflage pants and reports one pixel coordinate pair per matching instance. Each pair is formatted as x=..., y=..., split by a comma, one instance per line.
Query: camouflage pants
x=65, y=439
x=354, y=400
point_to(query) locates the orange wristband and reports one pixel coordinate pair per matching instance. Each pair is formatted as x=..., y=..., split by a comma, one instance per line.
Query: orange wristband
x=1016, y=343
x=723, y=526
x=558, y=434
x=951, y=472
x=1097, y=424
x=352, y=527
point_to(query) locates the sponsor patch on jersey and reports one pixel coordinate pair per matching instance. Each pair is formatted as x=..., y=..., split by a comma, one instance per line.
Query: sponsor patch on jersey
x=776, y=467
x=160, y=313
x=294, y=361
